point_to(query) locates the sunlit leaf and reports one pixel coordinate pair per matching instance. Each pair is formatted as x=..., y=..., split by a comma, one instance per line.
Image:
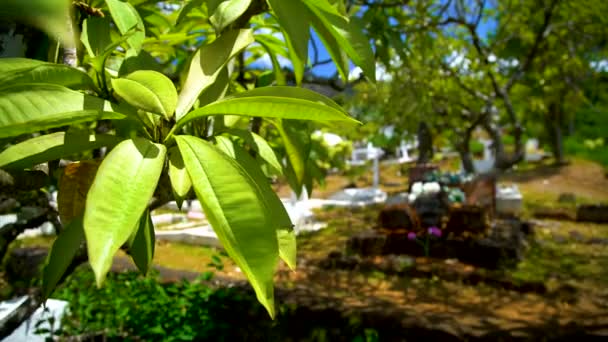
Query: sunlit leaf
x=237, y=212
x=126, y=18
x=41, y=72
x=52, y=146
x=285, y=233
x=34, y=107
x=124, y=184
x=227, y=12
x=148, y=90
x=207, y=64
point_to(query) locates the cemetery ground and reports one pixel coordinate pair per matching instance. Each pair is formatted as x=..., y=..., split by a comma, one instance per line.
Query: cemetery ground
x=558, y=290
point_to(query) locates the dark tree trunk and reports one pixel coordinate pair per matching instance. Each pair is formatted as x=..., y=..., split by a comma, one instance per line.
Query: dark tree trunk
x=425, y=143
x=554, y=129
x=464, y=150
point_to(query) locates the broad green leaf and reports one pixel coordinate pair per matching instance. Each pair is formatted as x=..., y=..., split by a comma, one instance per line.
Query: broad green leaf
x=180, y=180
x=237, y=212
x=260, y=146
x=348, y=35
x=33, y=107
x=124, y=184
x=227, y=12
x=207, y=64
x=8, y=65
x=285, y=234
x=20, y=70
x=274, y=102
x=95, y=35
x=148, y=90
x=143, y=61
x=74, y=185
x=294, y=19
x=296, y=139
x=48, y=15
x=15, y=71
x=60, y=257
x=52, y=146
x=217, y=90
x=125, y=17
x=142, y=247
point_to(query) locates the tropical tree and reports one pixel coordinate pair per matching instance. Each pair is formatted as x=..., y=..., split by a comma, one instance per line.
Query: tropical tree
x=164, y=136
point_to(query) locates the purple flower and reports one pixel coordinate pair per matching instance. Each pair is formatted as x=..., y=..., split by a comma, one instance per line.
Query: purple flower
x=435, y=231
x=411, y=236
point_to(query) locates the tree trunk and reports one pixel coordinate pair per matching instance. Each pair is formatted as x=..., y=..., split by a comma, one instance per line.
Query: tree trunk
x=504, y=160
x=464, y=150
x=554, y=127
x=425, y=143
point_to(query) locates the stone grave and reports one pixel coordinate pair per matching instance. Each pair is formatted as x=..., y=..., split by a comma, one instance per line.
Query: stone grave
x=467, y=229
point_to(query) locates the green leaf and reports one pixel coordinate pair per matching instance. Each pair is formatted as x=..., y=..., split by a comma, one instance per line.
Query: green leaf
x=272, y=53
x=227, y=12
x=337, y=54
x=348, y=35
x=180, y=180
x=294, y=19
x=207, y=63
x=237, y=212
x=95, y=35
x=143, y=61
x=48, y=15
x=60, y=257
x=148, y=90
x=41, y=72
x=296, y=139
x=126, y=17
x=142, y=247
x=259, y=145
x=50, y=147
x=30, y=108
x=285, y=234
x=274, y=102
x=124, y=184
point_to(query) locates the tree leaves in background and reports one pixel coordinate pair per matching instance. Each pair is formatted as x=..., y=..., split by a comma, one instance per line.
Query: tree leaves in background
x=124, y=184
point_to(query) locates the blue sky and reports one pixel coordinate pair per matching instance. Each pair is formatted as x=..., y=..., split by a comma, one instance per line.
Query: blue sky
x=329, y=69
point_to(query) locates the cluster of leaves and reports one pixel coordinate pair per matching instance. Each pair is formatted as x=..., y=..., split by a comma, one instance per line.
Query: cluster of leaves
x=167, y=137
x=132, y=307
